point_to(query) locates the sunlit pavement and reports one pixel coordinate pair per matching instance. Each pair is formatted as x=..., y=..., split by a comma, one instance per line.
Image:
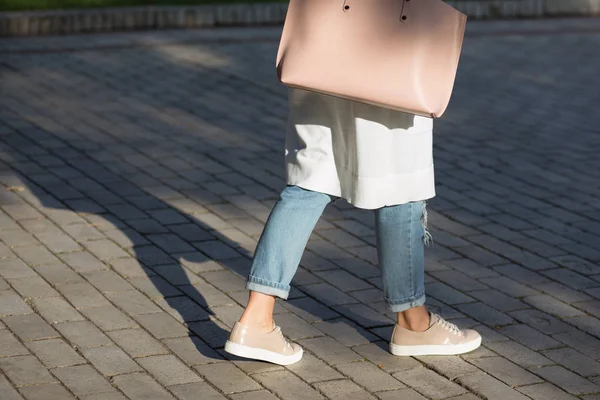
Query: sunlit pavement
x=137, y=171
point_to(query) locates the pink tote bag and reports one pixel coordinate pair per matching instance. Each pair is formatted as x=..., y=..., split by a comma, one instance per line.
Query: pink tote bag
x=397, y=54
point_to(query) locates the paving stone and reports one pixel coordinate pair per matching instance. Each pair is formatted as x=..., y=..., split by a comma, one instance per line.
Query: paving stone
x=140, y=386
x=570, y=278
x=447, y=294
x=170, y=243
x=287, y=386
x=161, y=325
x=256, y=395
x=130, y=267
x=213, y=332
x=10, y=346
x=405, y=394
x=343, y=389
x=83, y=334
x=489, y=387
x=450, y=367
x=55, y=353
x=168, y=370
x=108, y=281
x=581, y=342
x=192, y=350
x=428, y=383
x=379, y=355
x=82, y=232
x=114, y=395
x=83, y=261
x=8, y=392
x=36, y=255
x=529, y=337
x=25, y=370
x=15, y=268
x=225, y=281
x=310, y=310
x=177, y=275
x=345, y=332
x=83, y=295
x=57, y=241
x=519, y=354
x=507, y=372
x=109, y=318
x=189, y=391
x=183, y=309
x=458, y=280
x=330, y=350
x=33, y=287
x=574, y=361
x=198, y=263
x=369, y=376
x=567, y=380
x=137, y=343
x=545, y=391
x=58, y=274
x=56, y=310
x=562, y=292
x=498, y=300
x=105, y=249
x=110, y=360
x=227, y=378
x=30, y=327
x=52, y=391
x=12, y=304
x=154, y=287
x=206, y=295
x=541, y=321
x=249, y=366
x=327, y=294
x=485, y=314
x=364, y=316
x=133, y=302
x=509, y=286
x=553, y=306
x=216, y=250
x=343, y=280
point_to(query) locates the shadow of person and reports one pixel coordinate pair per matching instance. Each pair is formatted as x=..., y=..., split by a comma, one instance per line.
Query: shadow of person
x=174, y=179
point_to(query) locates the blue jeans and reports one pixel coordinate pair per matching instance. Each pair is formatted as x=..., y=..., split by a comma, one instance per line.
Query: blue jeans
x=400, y=247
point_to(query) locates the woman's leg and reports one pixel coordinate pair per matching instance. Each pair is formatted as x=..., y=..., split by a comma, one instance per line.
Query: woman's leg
x=401, y=235
x=400, y=248
x=279, y=251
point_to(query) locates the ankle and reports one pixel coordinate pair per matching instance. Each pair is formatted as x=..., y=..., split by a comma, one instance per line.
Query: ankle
x=416, y=323
x=262, y=324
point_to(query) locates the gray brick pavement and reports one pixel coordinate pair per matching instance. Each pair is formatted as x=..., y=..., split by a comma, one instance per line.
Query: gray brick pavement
x=134, y=185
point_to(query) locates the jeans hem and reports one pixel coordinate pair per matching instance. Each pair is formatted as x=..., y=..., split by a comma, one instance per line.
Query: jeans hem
x=405, y=304
x=267, y=287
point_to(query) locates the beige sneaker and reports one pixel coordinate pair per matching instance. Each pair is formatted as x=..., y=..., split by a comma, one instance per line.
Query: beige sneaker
x=248, y=342
x=441, y=338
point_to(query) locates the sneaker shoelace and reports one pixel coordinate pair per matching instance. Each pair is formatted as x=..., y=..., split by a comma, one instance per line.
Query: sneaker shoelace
x=286, y=343
x=449, y=326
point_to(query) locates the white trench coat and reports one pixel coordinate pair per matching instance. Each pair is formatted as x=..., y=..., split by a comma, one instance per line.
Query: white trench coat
x=370, y=156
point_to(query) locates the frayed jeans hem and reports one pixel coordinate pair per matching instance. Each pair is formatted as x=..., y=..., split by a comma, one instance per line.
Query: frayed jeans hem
x=267, y=287
x=405, y=304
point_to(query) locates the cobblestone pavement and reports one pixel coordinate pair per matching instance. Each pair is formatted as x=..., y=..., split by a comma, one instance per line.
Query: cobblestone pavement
x=137, y=171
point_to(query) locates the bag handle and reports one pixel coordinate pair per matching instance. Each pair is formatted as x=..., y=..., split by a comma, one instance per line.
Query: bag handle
x=403, y=13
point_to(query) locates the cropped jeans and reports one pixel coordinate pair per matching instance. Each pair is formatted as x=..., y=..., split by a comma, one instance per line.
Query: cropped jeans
x=400, y=246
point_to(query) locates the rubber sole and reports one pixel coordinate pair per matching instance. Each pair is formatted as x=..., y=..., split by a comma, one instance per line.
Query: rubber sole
x=260, y=354
x=434, y=350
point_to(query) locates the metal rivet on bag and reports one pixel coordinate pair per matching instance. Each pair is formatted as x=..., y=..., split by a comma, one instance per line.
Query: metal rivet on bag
x=404, y=18
x=346, y=7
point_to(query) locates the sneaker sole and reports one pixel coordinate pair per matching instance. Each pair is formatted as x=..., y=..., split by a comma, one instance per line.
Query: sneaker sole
x=434, y=350
x=262, y=354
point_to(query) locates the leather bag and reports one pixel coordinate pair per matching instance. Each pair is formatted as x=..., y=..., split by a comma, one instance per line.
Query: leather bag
x=397, y=54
